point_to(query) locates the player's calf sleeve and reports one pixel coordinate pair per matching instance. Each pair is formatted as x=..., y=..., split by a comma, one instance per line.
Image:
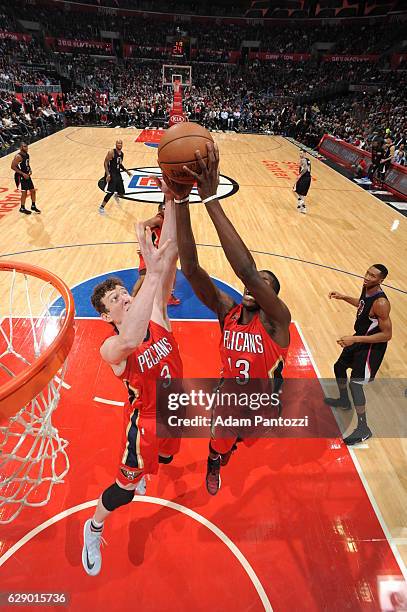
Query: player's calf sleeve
x=115, y=496
x=358, y=395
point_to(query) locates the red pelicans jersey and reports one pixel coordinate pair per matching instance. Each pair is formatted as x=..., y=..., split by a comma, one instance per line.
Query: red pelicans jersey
x=157, y=357
x=247, y=351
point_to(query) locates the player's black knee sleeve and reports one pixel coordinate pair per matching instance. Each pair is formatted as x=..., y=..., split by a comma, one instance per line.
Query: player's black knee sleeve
x=115, y=496
x=340, y=370
x=358, y=395
x=165, y=460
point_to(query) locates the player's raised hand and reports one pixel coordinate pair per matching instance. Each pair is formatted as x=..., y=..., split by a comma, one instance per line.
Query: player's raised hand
x=334, y=295
x=176, y=190
x=153, y=257
x=208, y=179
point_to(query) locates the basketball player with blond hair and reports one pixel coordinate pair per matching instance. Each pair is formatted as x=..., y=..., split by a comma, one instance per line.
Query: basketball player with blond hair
x=141, y=350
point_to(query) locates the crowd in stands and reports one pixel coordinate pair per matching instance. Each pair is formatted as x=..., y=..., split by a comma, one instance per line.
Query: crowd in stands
x=38, y=116
x=291, y=98
x=151, y=32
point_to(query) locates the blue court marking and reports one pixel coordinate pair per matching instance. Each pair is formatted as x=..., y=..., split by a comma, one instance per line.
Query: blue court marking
x=152, y=144
x=190, y=308
x=133, y=184
x=212, y=246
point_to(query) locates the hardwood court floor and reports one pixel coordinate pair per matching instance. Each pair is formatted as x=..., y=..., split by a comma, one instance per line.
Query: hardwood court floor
x=345, y=231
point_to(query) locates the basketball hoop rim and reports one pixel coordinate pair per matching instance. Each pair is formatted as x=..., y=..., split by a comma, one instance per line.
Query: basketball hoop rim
x=16, y=393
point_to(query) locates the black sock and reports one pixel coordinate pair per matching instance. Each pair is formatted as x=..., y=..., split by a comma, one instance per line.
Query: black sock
x=362, y=420
x=94, y=528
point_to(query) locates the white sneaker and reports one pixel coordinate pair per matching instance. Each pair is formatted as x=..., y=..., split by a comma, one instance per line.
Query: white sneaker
x=303, y=210
x=91, y=556
x=101, y=210
x=141, y=487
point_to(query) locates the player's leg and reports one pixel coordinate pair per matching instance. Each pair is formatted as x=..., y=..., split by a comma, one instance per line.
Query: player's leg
x=129, y=481
x=110, y=189
x=119, y=189
x=367, y=363
x=220, y=451
x=22, y=203
x=33, y=195
x=344, y=362
x=167, y=448
x=174, y=300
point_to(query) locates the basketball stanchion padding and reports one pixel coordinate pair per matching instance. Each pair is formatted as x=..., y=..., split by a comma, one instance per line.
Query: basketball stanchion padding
x=36, y=335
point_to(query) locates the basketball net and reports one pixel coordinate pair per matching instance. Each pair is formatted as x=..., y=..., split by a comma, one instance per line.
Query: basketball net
x=32, y=454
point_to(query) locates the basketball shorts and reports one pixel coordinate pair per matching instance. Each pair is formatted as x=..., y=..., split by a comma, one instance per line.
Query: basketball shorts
x=363, y=359
x=303, y=185
x=141, y=446
x=115, y=184
x=24, y=184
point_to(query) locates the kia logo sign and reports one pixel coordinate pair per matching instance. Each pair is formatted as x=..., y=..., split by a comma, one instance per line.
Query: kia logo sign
x=177, y=119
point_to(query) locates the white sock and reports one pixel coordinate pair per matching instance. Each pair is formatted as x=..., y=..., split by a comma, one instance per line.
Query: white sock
x=96, y=524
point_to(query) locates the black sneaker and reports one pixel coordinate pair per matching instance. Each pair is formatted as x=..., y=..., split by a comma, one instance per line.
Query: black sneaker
x=24, y=211
x=338, y=403
x=224, y=458
x=213, y=476
x=35, y=209
x=361, y=434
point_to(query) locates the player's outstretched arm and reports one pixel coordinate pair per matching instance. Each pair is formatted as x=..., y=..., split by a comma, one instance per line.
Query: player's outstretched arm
x=235, y=250
x=133, y=328
x=201, y=283
x=168, y=232
x=335, y=295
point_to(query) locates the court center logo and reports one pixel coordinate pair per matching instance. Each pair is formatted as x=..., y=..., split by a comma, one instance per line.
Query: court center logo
x=140, y=187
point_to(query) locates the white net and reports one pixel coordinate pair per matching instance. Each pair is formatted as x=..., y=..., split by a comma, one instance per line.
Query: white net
x=32, y=454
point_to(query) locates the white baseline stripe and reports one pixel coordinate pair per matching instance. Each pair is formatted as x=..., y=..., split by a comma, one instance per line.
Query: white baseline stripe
x=389, y=537
x=160, y=502
x=101, y=400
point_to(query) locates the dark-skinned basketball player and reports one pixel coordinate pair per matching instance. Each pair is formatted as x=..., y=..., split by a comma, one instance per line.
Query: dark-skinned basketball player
x=22, y=176
x=113, y=165
x=364, y=351
x=261, y=314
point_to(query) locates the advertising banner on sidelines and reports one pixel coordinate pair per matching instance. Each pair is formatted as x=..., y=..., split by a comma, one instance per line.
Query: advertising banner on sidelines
x=15, y=36
x=64, y=43
x=348, y=155
x=288, y=57
x=351, y=58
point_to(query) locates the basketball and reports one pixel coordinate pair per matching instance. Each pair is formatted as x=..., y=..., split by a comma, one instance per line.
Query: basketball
x=177, y=149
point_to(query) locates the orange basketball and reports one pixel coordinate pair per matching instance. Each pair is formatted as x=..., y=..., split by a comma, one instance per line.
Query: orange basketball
x=177, y=149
